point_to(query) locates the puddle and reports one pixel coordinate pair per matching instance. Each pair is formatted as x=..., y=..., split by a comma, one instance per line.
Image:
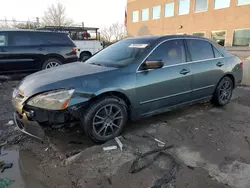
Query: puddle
x=24, y=164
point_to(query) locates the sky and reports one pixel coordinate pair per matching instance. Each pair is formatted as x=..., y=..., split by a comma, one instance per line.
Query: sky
x=94, y=13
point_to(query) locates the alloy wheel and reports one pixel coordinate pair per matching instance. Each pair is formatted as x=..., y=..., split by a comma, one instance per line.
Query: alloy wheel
x=225, y=91
x=107, y=120
x=51, y=65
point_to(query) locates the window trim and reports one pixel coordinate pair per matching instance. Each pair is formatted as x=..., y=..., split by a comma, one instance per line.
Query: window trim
x=142, y=14
x=213, y=48
x=133, y=16
x=201, y=10
x=179, y=9
x=153, y=12
x=219, y=31
x=222, y=7
x=188, y=62
x=165, y=9
x=240, y=5
x=236, y=30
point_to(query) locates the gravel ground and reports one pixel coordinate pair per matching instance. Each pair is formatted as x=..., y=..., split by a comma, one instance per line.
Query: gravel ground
x=211, y=149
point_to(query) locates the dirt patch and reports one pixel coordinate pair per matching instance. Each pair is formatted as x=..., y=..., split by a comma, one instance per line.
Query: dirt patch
x=211, y=150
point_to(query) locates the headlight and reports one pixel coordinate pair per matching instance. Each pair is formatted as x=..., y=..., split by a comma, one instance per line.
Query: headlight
x=53, y=100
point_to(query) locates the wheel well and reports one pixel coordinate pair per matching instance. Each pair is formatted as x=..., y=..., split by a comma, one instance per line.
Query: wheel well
x=118, y=95
x=231, y=77
x=50, y=56
x=86, y=52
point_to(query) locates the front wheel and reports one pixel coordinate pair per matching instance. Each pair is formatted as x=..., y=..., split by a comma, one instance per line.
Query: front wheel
x=223, y=92
x=105, y=119
x=51, y=63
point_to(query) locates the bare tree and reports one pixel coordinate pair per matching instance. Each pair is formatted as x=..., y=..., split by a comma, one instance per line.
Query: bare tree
x=4, y=23
x=56, y=16
x=118, y=31
x=114, y=32
x=106, y=34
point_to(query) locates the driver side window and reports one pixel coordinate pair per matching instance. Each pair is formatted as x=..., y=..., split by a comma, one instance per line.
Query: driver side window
x=170, y=52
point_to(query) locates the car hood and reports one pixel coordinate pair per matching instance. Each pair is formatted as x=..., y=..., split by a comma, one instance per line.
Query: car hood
x=65, y=76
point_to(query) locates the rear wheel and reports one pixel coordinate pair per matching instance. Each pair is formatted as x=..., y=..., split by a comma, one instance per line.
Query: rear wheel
x=50, y=63
x=223, y=92
x=105, y=119
x=84, y=56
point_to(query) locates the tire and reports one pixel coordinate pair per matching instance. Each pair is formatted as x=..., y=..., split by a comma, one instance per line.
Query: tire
x=84, y=56
x=226, y=86
x=97, y=120
x=51, y=61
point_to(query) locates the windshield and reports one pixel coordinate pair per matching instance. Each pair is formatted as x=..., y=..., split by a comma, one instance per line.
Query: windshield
x=120, y=54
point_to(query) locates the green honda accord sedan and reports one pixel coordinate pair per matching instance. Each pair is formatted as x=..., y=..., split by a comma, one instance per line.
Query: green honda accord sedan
x=128, y=80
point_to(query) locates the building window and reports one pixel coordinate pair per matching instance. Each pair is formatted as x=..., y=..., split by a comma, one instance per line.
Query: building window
x=218, y=4
x=243, y=2
x=219, y=37
x=145, y=14
x=156, y=12
x=184, y=6
x=136, y=16
x=201, y=5
x=169, y=9
x=241, y=37
x=200, y=34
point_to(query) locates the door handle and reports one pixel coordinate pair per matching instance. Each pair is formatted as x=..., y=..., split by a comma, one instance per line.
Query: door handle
x=185, y=71
x=219, y=64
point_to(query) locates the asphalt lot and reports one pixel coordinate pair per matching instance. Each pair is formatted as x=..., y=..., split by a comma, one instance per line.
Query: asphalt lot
x=211, y=150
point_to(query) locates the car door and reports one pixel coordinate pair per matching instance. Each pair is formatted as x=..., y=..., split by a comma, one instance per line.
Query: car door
x=207, y=67
x=26, y=51
x=167, y=86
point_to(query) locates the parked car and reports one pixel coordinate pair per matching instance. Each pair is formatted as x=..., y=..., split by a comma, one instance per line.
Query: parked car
x=24, y=51
x=87, y=39
x=131, y=79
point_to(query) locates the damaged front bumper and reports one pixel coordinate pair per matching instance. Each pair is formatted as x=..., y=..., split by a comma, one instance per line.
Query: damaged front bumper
x=31, y=128
x=32, y=121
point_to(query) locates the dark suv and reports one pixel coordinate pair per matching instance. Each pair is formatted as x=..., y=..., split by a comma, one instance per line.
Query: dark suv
x=23, y=51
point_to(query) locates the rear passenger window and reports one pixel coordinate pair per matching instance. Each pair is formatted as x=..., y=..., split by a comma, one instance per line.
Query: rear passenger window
x=171, y=52
x=3, y=39
x=56, y=38
x=25, y=39
x=217, y=54
x=200, y=49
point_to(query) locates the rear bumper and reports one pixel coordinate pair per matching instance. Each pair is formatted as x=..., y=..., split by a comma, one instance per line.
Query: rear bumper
x=71, y=59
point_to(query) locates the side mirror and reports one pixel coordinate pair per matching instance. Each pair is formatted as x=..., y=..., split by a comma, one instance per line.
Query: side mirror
x=153, y=64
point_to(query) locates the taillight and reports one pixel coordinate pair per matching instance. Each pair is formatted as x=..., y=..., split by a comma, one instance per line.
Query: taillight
x=241, y=64
x=74, y=50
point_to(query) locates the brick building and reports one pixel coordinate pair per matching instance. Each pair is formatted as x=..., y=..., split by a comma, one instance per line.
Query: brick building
x=225, y=21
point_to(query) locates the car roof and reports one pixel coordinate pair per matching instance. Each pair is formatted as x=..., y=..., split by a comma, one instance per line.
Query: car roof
x=164, y=37
x=26, y=30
